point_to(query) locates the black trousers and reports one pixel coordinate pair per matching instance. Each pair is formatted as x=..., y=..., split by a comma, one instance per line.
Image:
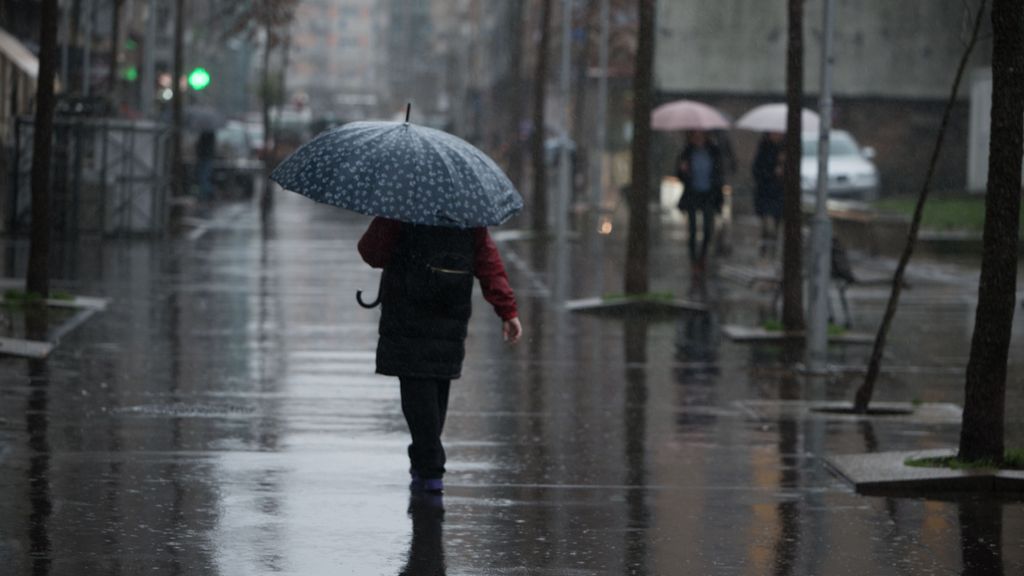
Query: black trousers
x=708, y=212
x=425, y=405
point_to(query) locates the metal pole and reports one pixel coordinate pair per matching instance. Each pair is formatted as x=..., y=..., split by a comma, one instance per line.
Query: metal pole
x=821, y=226
x=149, y=62
x=597, y=158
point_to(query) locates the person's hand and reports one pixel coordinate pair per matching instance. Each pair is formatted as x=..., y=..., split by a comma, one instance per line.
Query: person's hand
x=511, y=330
x=684, y=167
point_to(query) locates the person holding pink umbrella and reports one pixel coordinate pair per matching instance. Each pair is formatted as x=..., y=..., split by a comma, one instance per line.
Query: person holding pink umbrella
x=700, y=169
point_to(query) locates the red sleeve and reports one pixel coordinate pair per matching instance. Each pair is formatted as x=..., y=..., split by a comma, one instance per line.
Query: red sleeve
x=493, y=278
x=378, y=241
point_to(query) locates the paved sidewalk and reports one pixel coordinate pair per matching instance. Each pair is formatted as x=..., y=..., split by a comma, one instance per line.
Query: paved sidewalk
x=222, y=417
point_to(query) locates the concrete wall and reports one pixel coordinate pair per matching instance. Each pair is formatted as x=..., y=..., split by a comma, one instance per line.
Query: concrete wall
x=905, y=49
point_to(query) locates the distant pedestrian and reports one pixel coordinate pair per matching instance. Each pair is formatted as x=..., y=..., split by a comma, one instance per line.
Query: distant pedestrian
x=768, y=191
x=206, y=150
x=699, y=167
x=425, y=309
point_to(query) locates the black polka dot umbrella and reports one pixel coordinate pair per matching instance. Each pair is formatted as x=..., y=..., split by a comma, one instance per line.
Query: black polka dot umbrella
x=401, y=171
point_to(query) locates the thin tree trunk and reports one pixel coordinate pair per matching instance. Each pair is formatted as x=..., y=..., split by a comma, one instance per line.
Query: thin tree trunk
x=268, y=136
x=540, y=201
x=282, y=84
x=637, y=239
x=115, y=46
x=580, y=125
x=178, y=102
x=75, y=22
x=515, y=95
x=38, y=278
x=866, y=390
x=792, y=266
x=981, y=433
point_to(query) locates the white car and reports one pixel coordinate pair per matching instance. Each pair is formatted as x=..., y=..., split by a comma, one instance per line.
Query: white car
x=851, y=173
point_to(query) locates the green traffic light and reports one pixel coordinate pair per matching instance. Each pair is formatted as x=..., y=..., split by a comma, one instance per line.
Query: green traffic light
x=199, y=78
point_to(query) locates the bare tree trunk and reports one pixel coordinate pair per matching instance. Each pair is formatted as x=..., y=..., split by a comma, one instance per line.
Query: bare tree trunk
x=265, y=93
x=540, y=201
x=792, y=266
x=75, y=22
x=38, y=278
x=866, y=390
x=580, y=125
x=638, y=240
x=981, y=433
x=515, y=96
x=115, y=46
x=178, y=102
x=282, y=84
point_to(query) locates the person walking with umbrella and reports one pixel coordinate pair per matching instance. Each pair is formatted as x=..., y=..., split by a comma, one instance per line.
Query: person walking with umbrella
x=699, y=167
x=433, y=196
x=768, y=189
x=425, y=310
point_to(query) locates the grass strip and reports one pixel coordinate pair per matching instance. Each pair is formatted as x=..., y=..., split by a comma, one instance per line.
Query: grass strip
x=1012, y=460
x=959, y=213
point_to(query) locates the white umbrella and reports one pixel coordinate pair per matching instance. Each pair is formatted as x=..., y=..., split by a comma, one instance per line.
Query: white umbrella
x=772, y=118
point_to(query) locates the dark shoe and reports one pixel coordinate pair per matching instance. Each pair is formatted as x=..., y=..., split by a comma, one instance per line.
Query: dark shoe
x=433, y=485
x=417, y=484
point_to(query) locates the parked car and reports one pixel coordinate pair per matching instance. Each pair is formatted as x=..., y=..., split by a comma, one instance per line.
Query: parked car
x=851, y=173
x=236, y=165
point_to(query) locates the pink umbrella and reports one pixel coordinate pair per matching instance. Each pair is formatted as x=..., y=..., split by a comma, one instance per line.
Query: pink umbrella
x=772, y=118
x=687, y=115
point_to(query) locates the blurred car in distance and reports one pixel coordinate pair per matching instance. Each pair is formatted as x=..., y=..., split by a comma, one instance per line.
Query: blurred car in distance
x=852, y=175
x=237, y=163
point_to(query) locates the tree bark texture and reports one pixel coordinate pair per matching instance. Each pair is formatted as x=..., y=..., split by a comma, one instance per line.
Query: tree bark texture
x=115, y=46
x=981, y=432
x=638, y=237
x=792, y=261
x=540, y=201
x=38, y=277
x=178, y=102
x=514, y=98
x=862, y=399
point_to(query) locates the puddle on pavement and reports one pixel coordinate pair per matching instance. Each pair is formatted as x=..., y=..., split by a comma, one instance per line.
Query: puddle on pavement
x=222, y=418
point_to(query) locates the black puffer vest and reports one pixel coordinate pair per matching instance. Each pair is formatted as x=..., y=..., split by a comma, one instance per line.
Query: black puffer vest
x=426, y=303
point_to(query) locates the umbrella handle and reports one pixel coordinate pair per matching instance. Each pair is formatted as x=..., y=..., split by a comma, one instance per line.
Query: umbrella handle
x=376, y=301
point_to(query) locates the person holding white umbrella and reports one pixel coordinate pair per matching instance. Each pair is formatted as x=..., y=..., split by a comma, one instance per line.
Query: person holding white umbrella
x=770, y=121
x=768, y=188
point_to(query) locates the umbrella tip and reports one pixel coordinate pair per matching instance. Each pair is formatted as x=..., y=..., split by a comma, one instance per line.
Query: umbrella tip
x=408, y=108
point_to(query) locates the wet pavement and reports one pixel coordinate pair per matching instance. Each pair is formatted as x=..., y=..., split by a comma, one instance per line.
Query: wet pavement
x=222, y=417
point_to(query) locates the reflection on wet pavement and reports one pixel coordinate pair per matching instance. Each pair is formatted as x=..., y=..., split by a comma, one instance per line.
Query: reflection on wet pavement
x=223, y=417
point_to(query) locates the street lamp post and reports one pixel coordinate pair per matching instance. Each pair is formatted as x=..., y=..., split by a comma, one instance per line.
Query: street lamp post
x=821, y=226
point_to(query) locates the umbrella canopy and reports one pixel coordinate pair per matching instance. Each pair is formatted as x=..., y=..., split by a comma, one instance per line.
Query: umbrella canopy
x=772, y=118
x=401, y=171
x=687, y=115
x=204, y=119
